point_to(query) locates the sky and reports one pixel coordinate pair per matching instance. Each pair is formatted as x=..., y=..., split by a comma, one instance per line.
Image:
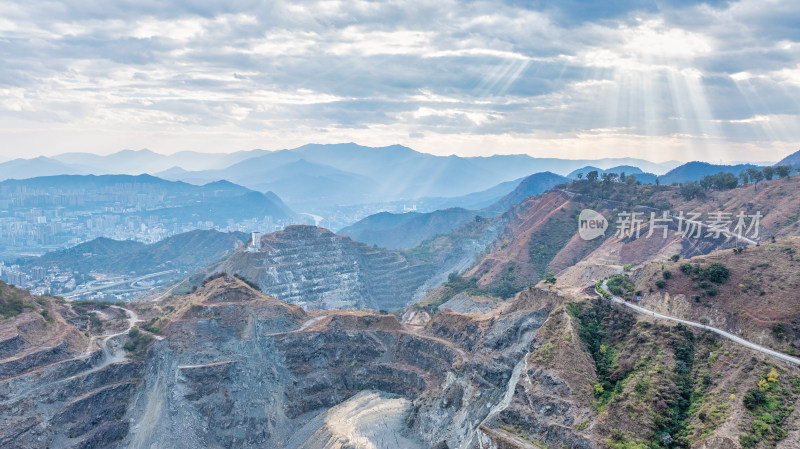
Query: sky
x=678, y=80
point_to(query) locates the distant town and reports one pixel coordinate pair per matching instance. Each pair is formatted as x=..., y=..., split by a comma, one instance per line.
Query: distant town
x=36, y=220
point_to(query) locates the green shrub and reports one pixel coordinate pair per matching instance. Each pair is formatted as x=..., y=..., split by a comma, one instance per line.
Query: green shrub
x=661, y=283
x=247, y=281
x=667, y=274
x=754, y=398
x=11, y=304
x=620, y=285
x=137, y=342
x=152, y=327
x=779, y=330
x=717, y=273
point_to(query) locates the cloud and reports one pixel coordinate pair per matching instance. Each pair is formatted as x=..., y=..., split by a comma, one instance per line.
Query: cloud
x=721, y=77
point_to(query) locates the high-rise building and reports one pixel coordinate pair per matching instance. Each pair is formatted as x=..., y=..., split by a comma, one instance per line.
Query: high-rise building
x=38, y=273
x=255, y=241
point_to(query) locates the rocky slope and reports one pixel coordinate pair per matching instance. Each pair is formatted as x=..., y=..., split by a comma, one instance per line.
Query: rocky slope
x=57, y=388
x=228, y=366
x=540, y=235
x=317, y=269
x=235, y=368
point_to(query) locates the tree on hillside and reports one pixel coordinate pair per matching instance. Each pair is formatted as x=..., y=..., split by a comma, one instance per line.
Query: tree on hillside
x=719, y=181
x=744, y=177
x=691, y=190
x=769, y=173
x=783, y=171
x=592, y=176
x=580, y=175
x=756, y=175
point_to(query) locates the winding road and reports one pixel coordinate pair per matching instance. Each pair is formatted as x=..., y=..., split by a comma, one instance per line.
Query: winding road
x=98, y=285
x=109, y=356
x=728, y=335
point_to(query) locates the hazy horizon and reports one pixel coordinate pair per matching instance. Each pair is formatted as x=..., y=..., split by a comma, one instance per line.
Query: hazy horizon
x=691, y=80
x=778, y=157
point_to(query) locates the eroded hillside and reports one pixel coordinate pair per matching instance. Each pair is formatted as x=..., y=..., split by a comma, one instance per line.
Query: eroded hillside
x=230, y=366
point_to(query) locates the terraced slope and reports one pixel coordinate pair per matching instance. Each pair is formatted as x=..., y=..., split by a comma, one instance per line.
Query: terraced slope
x=317, y=269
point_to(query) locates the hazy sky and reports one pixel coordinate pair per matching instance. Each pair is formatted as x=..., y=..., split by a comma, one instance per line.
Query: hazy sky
x=571, y=78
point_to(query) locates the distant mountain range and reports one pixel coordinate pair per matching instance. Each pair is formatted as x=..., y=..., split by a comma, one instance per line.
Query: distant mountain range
x=313, y=177
x=217, y=201
x=145, y=161
x=313, y=174
x=531, y=185
x=477, y=200
x=40, y=166
x=184, y=252
x=93, y=183
x=695, y=171
x=792, y=159
x=351, y=174
x=395, y=231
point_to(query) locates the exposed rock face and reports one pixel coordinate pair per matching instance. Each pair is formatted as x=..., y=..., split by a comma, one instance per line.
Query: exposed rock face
x=239, y=369
x=461, y=303
x=317, y=269
x=53, y=396
x=368, y=418
x=231, y=373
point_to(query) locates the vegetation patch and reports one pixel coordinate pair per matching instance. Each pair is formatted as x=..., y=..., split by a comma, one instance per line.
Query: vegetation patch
x=769, y=403
x=153, y=326
x=247, y=281
x=671, y=424
x=12, y=304
x=705, y=277
x=621, y=285
x=547, y=243
x=596, y=324
x=137, y=342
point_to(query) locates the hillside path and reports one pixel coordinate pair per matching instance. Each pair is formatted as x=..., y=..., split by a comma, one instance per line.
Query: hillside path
x=728, y=335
